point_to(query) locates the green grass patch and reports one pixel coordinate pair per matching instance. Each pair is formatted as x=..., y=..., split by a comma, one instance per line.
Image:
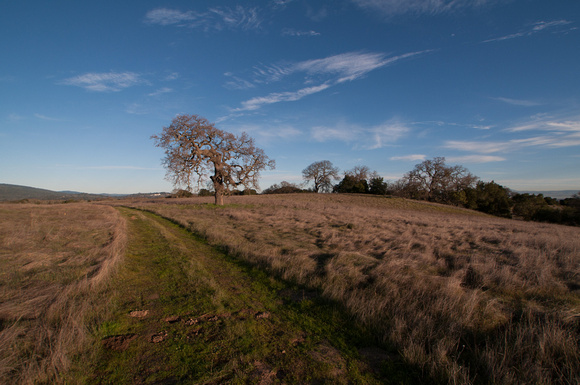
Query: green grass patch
x=187, y=313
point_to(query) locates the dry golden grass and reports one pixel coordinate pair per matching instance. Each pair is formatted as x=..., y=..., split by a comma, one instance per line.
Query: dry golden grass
x=54, y=262
x=469, y=298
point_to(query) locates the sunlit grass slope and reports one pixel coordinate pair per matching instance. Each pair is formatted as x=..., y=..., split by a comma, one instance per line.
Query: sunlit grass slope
x=466, y=297
x=55, y=262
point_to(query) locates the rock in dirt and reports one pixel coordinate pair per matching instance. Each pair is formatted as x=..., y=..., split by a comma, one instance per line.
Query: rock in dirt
x=262, y=314
x=158, y=337
x=139, y=313
x=172, y=319
x=191, y=322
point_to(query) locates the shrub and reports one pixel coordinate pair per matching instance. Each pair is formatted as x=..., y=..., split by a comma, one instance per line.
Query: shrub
x=182, y=194
x=205, y=193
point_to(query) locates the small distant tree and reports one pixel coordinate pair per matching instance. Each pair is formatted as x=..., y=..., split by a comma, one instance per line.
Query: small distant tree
x=433, y=180
x=350, y=185
x=180, y=193
x=526, y=205
x=283, y=188
x=322, y=173
x=195, y=146
x=361, y=173
x=490, y=198
x=205, y=193
x=355, y=181
x=377, y=185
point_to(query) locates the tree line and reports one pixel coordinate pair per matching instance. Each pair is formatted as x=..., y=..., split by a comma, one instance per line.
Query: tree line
x=196, y=151
x=434, y=181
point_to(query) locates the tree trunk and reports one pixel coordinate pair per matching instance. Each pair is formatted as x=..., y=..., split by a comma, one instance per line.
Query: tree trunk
x=219, y=199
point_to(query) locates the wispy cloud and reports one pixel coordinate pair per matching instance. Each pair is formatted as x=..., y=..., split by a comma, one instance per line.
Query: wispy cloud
x=549, y=134
x=281, y=3
x=479, y=146
x=342, y=67
x=517, y=102
x=105, y=82
x=295, y=33
x=172, y=76
x=327, y=72
x=549, y=141
x=161, y=91
x=533, y=29
x=386, y=133
x=258, y=102
x=48, y=118
x=412, y=157
x=475, y=159
x=270, y=132
x=548, y=125
x=391, y=8
x=349, y=65
x=237, y=83
x=165, y=16
x=370, y=138
x=465, y=125
x=541, y=25
x=238, y=17
x=216, y=18
x=340, y=132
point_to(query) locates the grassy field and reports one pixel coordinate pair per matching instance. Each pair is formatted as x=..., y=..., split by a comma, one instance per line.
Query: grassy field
x=184, y=312
x=55, y=263
x=372, y=290
x=467, y=298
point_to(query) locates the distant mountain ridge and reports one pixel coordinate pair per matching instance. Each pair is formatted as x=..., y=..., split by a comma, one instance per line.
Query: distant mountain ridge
x=12, y=192
x=559, y=194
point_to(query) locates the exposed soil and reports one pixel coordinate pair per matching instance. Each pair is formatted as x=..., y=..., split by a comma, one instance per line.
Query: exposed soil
x=119, y=343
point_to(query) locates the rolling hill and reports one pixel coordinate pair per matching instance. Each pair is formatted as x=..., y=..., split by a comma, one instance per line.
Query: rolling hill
x=11, y=192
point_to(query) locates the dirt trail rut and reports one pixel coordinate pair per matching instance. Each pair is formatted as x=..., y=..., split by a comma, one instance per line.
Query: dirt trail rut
x=186, y=313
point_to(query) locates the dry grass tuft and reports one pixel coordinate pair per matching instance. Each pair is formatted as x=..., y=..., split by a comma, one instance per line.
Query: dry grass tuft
x=467, y=297
x=54, y=262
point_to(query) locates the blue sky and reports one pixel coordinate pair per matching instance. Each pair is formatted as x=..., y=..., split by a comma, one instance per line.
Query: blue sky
x=491, y=85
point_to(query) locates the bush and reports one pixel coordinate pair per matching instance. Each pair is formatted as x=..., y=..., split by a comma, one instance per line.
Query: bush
x=378, y=186
x=526, y=205
x=547, y=214
x=490, y=198
x=205, y=193
x=352, y=185
x=182, y=194
x=284, y=188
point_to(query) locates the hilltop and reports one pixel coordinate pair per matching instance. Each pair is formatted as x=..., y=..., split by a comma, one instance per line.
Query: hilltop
x=12, y=192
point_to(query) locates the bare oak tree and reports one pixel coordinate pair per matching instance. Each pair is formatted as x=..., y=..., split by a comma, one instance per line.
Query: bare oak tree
x=360, y=173
x=433, y=180
x=322, y=174
x=195, y=146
